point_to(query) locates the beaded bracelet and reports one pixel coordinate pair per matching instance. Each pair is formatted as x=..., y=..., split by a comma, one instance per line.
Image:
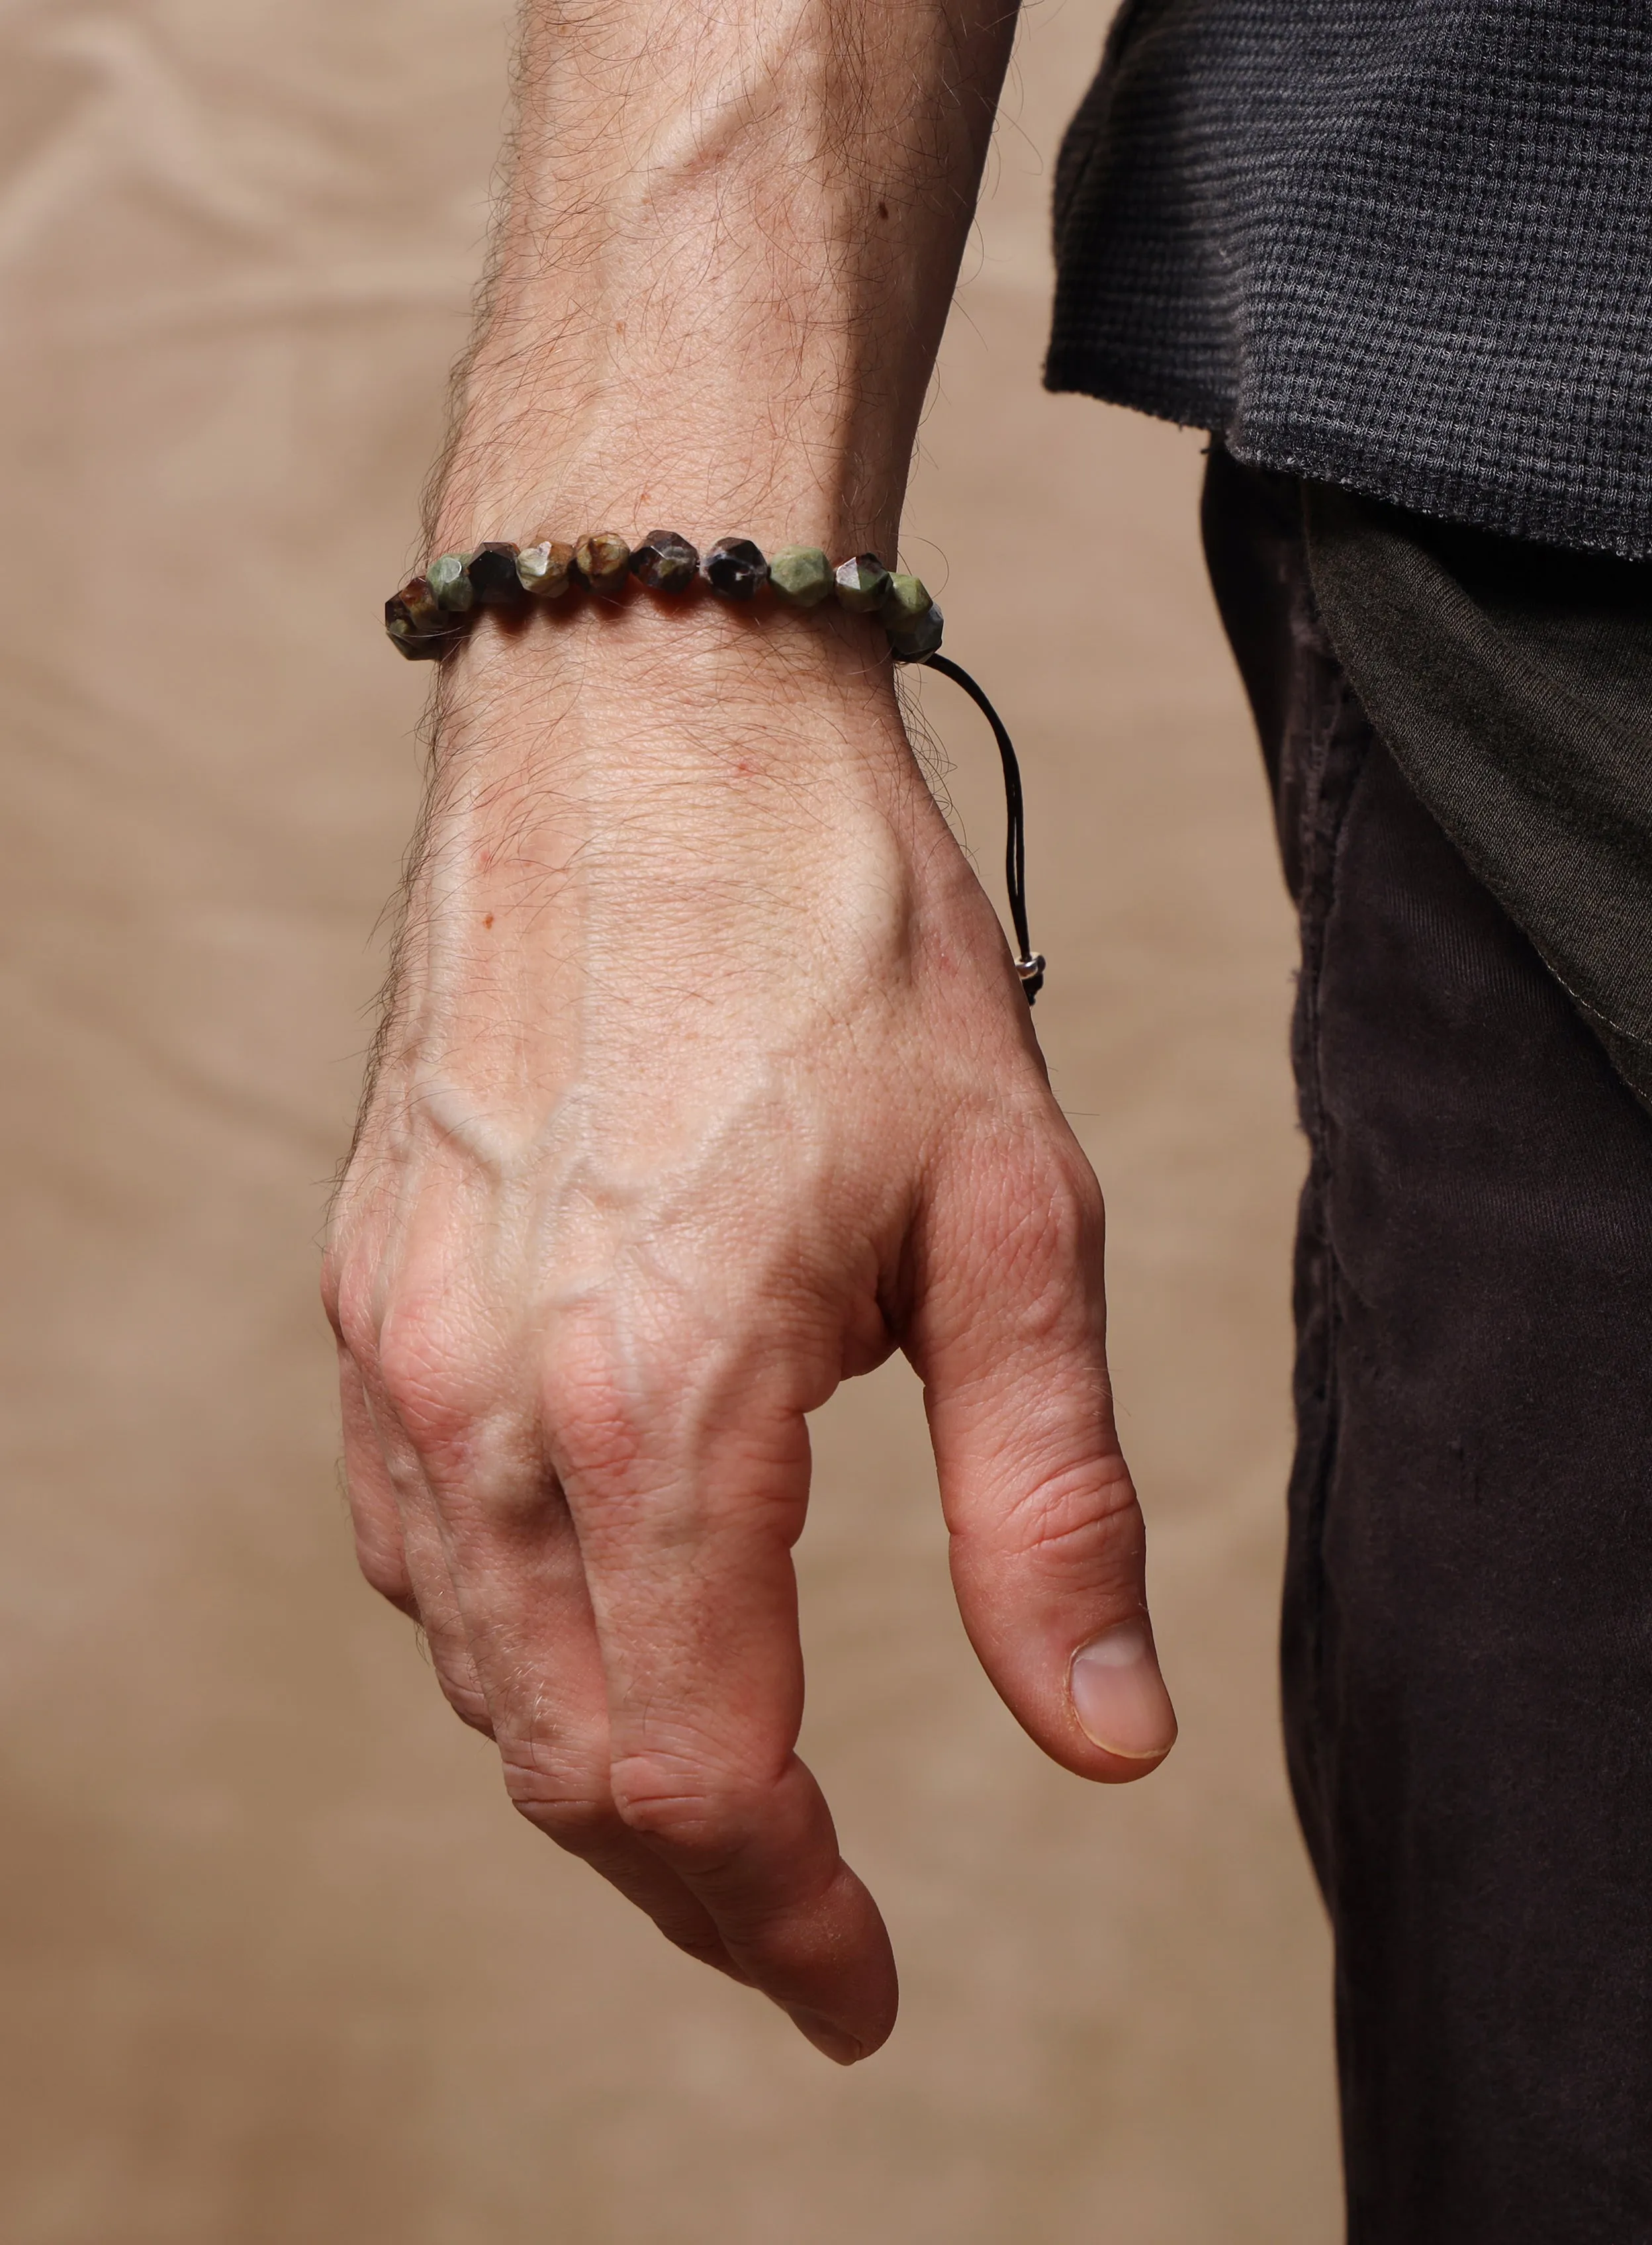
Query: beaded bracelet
x=434, y=611
x=431, y=613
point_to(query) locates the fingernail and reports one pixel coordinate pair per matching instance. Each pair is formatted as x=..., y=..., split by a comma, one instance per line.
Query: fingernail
x=1118, y=1695
x=830, y=2041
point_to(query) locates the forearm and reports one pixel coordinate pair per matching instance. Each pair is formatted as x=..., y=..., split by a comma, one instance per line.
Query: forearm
x=729, y=242
x=723, y=261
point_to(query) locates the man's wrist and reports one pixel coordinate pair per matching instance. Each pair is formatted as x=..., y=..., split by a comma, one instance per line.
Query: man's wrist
x=643, y=685
x=671, y=646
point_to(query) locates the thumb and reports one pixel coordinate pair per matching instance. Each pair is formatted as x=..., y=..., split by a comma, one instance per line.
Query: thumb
x=1048, y=1547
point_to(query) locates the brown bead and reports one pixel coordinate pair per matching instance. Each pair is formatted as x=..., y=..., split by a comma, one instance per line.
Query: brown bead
x=862, y=584
x=736, y=568
x=424, y=611
x=494, y=581
x=602, y=558
x=665, y=562
x=418, y=625
x=544, y=568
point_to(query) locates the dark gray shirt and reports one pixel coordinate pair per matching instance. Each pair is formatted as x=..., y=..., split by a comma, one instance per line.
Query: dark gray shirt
x=1403, y=246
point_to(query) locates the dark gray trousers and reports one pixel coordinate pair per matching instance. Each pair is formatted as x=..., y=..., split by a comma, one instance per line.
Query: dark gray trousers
x=1467, y=1641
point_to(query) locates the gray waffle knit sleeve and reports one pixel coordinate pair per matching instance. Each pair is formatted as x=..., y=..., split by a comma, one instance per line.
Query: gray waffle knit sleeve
x=1404, y=246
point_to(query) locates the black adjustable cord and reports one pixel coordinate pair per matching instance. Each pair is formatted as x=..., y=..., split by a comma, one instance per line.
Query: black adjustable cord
x=1029, y=964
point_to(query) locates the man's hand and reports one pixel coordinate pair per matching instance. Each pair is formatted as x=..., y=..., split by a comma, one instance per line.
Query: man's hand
x=705, y=1079
x=692, y=1103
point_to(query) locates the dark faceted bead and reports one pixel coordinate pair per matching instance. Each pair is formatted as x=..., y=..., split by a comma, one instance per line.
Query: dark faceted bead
x=736, y=568
x=544, y=568
x=494, y=581
x=912, y=642
x=419, y=625
x=665, y=562
x=862, y=584
x=424, y=612
x=910, y=618
x=449, y=576
x=602, y=557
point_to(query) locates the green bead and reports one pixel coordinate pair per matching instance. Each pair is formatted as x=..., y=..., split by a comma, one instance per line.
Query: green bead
x=910, y=618
x=861, y=584
x=801, y=574
x=906, y=601
x=544, y=568
x=449, y=576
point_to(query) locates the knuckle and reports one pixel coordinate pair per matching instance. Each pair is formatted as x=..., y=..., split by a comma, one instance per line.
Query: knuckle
x=430, y=1376
x=470, y=1708
x=1039, y=1217
x=594, y=1407
x=1079, y=1518
x=461, y=1689
x=444, y=1647
x=696, y=1938
x=1067, y=1219
x=347, y=1297
x=579, y=1824
x=628, y=1388
x=1055, y=1257
x=567, y=1806
x=383, y=1566
x=699, y=1820
x=331, y=1285
x=463, y=1694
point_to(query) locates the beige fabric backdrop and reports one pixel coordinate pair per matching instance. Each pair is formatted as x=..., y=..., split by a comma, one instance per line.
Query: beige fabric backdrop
x=280, y=1968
